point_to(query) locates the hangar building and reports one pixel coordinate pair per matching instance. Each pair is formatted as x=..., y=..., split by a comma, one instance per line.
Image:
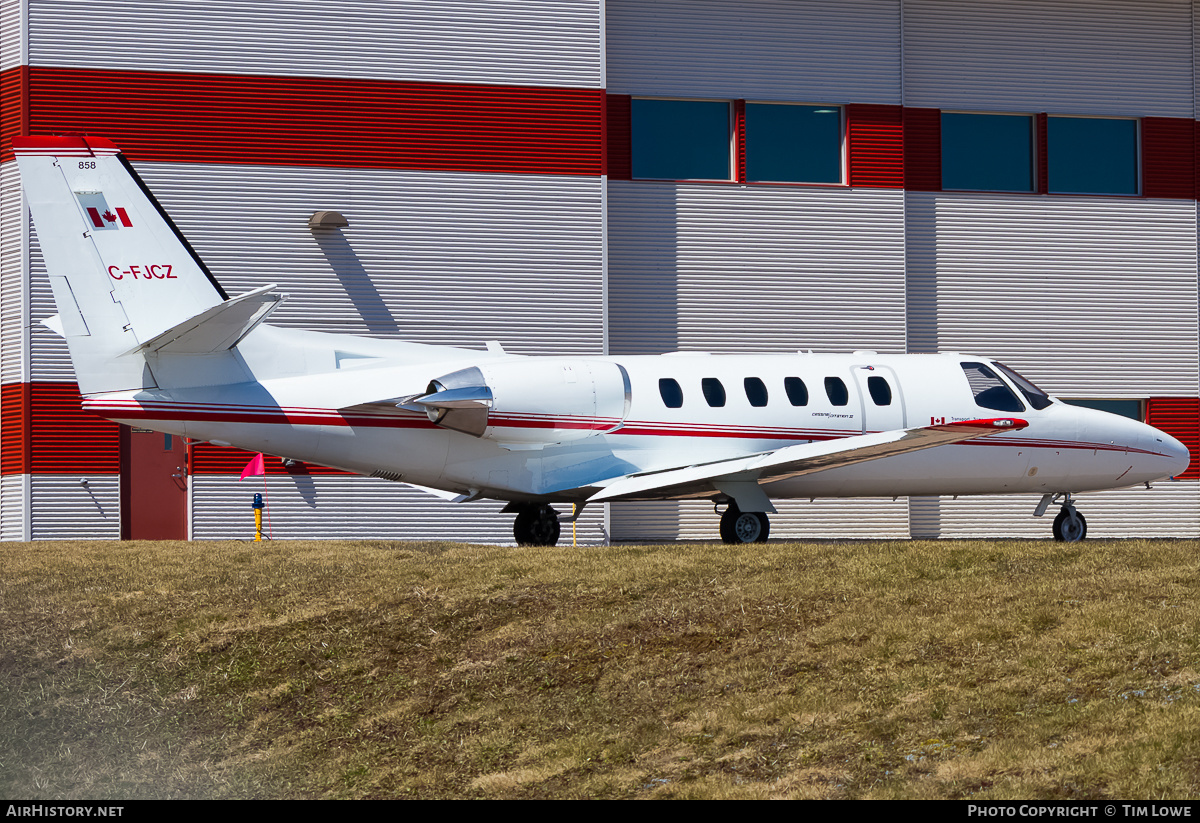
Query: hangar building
x=1016, y=179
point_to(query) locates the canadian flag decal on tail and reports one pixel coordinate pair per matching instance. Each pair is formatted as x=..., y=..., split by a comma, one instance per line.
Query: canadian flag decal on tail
x=100, y=216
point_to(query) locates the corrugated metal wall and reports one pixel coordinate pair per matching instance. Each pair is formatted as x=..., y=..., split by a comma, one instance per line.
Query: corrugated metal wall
x=1062, y=287
x=825, y=51
x=1086, y=296
x=741, y=269
x=1062, y=56
x=539, y=43
x=320, y=508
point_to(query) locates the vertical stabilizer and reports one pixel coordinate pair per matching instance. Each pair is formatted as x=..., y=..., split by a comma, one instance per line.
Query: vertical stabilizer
x=121, y=272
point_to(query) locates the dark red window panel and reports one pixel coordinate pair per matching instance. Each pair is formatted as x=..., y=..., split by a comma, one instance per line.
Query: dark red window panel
x=1168, y=157
x=210, y=459
x=45, y=431
x=226, y=118
x=739, y=131
x=875, y=135
x=618, y=134
x=1042, y=126
x=923, y=149
x=1180, y=418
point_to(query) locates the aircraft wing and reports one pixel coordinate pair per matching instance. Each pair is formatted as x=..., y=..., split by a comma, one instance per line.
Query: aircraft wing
x=794, y=461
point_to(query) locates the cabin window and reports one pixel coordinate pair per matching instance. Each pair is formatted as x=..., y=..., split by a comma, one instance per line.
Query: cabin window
x=990, y=391
x=797, y=392
x=880, y=391
x=836, y=389
x=756, y=392
x=714, y=392
x=672, y=395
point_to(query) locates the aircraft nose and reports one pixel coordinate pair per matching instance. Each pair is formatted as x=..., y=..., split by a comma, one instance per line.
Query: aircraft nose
x=1175, y=455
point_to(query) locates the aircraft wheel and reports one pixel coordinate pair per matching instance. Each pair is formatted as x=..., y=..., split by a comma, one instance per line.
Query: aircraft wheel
x=1069, y=525
x=536, y=526
x=744, y=527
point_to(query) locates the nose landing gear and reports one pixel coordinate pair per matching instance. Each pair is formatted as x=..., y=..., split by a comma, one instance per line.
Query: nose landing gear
x=1069, y=525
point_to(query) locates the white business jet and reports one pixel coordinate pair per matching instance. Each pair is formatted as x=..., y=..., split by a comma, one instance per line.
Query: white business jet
x=157, y=343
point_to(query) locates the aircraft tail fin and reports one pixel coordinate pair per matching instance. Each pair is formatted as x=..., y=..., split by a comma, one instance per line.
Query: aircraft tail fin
x=122, y=274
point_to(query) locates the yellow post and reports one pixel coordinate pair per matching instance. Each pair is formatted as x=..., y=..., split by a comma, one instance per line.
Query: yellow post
x=258, y=525
x=574, y=520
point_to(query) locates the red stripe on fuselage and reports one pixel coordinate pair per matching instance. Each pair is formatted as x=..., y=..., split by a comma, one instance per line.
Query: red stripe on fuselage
x=299, y=416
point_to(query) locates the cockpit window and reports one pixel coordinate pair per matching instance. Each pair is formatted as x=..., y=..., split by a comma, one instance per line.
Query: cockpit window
x=990, y=391
x=1036, y=397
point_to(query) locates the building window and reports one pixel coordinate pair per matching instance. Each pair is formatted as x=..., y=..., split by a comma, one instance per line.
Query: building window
x=1126, y=408
x=714, y=392
x=987, y=152
x=680, y=139
x=793, y=144
x=1092, y=155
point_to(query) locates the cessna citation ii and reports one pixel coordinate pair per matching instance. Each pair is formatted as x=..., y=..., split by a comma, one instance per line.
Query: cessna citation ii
x=157, y=343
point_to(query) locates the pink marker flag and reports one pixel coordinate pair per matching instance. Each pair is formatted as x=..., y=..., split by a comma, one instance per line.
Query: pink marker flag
x=254, y=467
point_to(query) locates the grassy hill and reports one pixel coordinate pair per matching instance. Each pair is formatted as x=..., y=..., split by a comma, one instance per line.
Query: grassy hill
x=952, y=669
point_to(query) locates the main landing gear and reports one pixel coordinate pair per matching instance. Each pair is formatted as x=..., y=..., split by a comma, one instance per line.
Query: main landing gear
x=738, y=526
x=1069, y=525
x=536, y=524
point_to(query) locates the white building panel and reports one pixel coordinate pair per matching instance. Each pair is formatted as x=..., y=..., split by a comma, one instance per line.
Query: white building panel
x=65, y=508
x=328, y=508
x=546, y=43
x=14, y=507
x=14, y=280
x=726, y=268
x=1059, y=56
x=448, y=258
x=813, y=51
x=668, y=521
x=1168, y=509
x=12, y=33
x=1087, y=296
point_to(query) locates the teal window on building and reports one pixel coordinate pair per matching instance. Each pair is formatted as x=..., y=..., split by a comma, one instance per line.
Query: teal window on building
x=680, y=139
x=793, y=144
x=1092, y=155
x=987, y=152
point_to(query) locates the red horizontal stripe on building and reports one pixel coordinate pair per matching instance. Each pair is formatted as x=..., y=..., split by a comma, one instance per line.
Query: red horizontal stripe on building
x=1180, y=418
x=292, y=121
x=44, y=430
x=875, y=136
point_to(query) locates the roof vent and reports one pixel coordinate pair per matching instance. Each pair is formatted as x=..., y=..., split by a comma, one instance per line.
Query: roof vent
x=327, y=220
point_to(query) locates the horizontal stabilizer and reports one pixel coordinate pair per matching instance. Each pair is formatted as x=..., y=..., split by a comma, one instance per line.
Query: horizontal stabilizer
x=806, y=458
x=220, y=328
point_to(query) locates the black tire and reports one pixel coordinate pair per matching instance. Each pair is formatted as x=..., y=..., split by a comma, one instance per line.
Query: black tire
x=739, y=527
x=1069, y=526
x=536, y=526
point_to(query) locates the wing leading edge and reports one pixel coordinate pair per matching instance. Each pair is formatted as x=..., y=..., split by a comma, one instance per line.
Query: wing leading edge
x=794, y=461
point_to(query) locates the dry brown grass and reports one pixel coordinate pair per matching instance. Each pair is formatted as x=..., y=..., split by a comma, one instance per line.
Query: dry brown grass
x=982, y=669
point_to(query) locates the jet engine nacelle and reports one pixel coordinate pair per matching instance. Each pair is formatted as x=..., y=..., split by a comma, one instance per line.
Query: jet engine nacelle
x=539, y=401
